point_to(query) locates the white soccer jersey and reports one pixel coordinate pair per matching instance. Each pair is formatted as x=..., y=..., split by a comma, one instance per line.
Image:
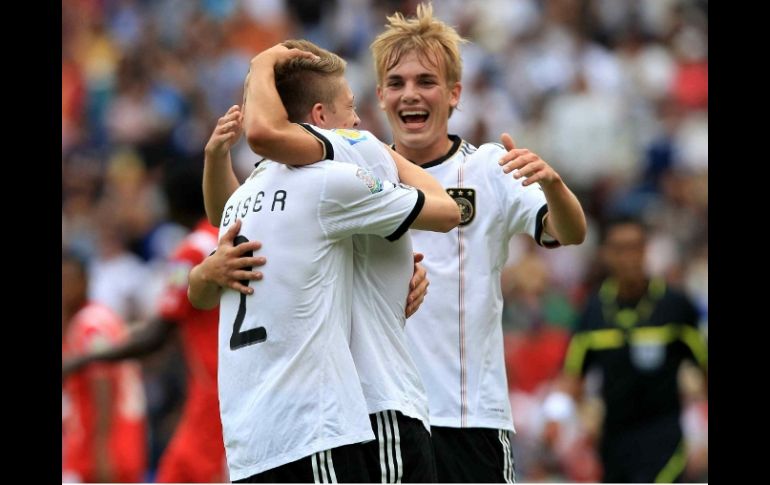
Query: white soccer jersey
x=456, y=336
x=288, y=387
x=382, y=270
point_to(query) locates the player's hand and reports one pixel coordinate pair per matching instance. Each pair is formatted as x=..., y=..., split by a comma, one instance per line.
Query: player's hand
x=524, y=163
x=418, y=286
x=227, y=132
x=230, y=265
x=278, y=54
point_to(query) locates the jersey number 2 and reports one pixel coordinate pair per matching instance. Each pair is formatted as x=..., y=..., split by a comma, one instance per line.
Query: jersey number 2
x=254, y=335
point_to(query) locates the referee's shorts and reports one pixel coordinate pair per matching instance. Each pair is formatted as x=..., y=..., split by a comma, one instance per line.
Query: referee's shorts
x=651, y=451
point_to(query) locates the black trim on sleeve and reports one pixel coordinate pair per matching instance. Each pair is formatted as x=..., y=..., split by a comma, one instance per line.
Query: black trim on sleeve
x=410, y=218
x=328, y=148
x=539, y=227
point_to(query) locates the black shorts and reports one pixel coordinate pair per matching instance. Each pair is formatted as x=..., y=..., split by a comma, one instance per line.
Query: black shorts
x=475, y=455
x=344, y=464
x=401, y=451
x=649, y=452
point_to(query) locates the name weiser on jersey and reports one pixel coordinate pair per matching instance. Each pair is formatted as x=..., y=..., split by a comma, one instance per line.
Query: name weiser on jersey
x=253, y=204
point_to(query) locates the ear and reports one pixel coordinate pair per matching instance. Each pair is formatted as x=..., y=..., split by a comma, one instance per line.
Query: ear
x=380, y=98
x=317, y=116
x=454, y=94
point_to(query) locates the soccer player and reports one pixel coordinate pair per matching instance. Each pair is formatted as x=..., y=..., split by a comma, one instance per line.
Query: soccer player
x=457, y=340
x=196, y=453
x=290, y=394
x=316, y=91
x=103, y=408
x=636, y=331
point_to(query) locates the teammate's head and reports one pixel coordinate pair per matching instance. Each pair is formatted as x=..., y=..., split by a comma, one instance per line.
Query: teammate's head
x=315, y=90
x=624, y=239
x=74, y=281
x=418, y=76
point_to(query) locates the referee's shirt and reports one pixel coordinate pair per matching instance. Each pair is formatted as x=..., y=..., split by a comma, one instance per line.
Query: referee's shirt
x=288, y=387
x=456, y=337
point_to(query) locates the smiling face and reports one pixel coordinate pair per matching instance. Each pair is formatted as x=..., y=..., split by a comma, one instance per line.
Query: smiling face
x=417, y=99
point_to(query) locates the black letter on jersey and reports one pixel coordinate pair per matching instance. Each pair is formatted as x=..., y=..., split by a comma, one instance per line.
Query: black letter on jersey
x=227, y=215
x=246, y=207
x=282, y=199
x=258, y=200
x=254, y=335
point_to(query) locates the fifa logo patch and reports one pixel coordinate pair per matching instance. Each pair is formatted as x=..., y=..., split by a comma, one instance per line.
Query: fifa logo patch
x=373, y=183
x=352, y=136
x=466, y=201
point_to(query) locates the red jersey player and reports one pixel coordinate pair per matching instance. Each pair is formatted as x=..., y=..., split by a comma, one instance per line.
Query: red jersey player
x=104, y=420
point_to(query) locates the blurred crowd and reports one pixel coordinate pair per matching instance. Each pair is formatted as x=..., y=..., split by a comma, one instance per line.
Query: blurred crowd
x=612, y=93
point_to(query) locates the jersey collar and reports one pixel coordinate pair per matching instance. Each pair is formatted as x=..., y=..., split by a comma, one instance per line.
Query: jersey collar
x=456, y=142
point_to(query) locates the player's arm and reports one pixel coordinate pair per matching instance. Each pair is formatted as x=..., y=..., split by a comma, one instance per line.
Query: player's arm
x=144, y=340
x=219, y=181
x=266, y=122
x=102, y=395
x=440, y=212
x=224, y=268
x=565, y=220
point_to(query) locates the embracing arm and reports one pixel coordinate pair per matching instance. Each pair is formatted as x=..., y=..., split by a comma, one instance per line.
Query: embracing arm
x=440, y=212
x=224, y=268
x=144, y=340
x=266, y=122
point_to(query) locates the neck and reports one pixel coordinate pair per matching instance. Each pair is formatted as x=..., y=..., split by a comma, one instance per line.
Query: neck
x=421, y=156
x=632, y=288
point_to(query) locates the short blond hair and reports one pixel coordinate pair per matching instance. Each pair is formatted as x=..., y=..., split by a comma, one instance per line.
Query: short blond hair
x=431, y=38
x=301, y=82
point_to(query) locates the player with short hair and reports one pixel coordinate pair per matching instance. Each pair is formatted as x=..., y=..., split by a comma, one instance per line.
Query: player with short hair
x=457, y=340
x=334, y=215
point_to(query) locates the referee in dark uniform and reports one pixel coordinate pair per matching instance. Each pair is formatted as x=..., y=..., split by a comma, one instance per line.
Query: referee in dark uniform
x=637, y=331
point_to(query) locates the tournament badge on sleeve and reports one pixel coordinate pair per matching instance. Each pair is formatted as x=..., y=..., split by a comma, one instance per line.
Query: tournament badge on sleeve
x=352, y=136
x=466, y=201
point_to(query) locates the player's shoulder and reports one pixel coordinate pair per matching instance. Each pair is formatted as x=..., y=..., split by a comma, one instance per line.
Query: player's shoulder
x=485, y=153
x=351, y=179
x=351, y=136
x=354, y=136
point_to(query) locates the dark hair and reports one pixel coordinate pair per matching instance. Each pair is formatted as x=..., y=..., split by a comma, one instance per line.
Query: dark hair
x=621, y=220
x=183, y=186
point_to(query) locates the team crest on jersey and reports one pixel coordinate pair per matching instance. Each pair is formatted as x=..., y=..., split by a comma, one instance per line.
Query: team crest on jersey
x=373, y=183
x=352, y=136
x=466, y=201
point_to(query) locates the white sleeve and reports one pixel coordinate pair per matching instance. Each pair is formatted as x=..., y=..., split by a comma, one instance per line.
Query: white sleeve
x=356, y=146
x=355, y=201
x=523, y=207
